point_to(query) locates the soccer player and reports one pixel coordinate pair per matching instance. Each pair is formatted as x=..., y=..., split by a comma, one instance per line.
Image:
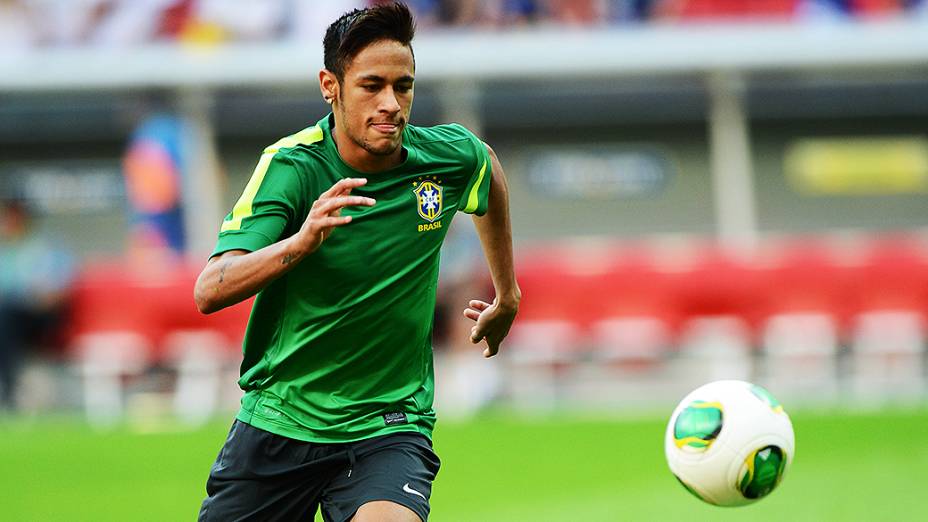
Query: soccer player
x=338, y=232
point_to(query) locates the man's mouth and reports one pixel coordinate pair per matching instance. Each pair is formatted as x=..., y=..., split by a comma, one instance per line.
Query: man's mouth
x=386, y=127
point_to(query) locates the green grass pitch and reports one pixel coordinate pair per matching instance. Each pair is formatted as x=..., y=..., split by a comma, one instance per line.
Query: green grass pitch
x=848, y=467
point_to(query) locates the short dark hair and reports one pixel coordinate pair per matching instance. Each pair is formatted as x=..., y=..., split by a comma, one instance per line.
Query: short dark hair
x=355, y=30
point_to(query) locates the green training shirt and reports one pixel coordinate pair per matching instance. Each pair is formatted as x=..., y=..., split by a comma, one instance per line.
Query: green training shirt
x=339, y=348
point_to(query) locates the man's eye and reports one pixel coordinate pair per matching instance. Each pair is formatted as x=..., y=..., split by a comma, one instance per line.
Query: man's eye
x=370, y=88
x=403, y=88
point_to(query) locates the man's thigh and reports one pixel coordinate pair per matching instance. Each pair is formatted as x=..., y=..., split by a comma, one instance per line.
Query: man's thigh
x=262, y=476
x=391, y=477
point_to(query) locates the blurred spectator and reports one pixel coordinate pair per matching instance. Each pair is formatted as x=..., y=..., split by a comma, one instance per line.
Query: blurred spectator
x=133, y=22
x=877, y=8
x=427, y=11
x=918, y=8
x=578, y=12
x=64, y=22
x=238, y=20
x=154, y=167
x=35, y=274
x=128, y=22
x=309, y=20
x=466, y=12
x=823, y=10
x=521, y=12
x=630, y=10
x=701, y=10
x=865, y=9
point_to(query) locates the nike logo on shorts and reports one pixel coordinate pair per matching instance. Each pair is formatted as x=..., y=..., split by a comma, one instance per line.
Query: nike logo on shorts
x=408, y=489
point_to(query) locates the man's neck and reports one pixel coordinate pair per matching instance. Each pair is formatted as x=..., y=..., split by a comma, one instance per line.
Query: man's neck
x=360, y=159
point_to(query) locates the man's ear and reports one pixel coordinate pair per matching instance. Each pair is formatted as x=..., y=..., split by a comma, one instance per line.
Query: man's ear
x=328, y=85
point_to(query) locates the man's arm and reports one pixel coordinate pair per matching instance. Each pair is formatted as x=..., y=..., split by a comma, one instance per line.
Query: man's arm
x=237, y=275
x=495, y=231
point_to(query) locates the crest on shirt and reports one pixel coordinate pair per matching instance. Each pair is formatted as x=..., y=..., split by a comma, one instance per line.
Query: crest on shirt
x=428, y=199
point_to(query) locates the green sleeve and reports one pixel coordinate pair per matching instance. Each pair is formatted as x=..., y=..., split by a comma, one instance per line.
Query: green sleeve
x=477, y=194
x=267, y=206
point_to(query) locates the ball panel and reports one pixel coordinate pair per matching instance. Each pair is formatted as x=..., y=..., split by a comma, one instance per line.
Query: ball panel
x=762, y=471
x=698, y=425
x=767, y=397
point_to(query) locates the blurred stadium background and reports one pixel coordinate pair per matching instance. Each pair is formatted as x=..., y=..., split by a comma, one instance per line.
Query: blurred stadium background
x=701, y=189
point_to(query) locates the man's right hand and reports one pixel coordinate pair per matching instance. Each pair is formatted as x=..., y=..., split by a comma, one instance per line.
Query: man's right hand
x=325, y=214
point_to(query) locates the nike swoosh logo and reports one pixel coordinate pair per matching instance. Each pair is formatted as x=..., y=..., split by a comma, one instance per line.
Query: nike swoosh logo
x=408, y=489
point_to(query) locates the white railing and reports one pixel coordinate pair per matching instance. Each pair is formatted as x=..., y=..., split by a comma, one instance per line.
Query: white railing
x=481, y=56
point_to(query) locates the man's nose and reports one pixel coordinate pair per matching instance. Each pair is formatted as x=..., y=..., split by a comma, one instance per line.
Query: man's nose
x=388, y=101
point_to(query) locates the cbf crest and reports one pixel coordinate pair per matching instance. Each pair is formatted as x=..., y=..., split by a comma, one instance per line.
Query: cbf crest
x=428, y=199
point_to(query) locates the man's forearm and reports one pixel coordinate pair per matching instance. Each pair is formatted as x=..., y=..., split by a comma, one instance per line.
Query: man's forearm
x=235, y=276
x=495, y=232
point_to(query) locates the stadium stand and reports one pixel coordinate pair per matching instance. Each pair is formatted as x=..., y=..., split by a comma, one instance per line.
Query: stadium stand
x=133, y=22
x=790, y=304
x=784, y=317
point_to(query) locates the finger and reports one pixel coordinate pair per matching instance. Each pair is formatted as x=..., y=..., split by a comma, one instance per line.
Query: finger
x=343, y=186
x=471, y=314
x=343, y=192
x=479, y=305
x=492, y=348
x=327, y=206
x=331, y=222
x=475, y=335
x=350, y=201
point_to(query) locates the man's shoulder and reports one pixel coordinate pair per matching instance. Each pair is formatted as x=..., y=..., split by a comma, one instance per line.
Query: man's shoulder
x=449, y=142
x=438, y=134
x=298, y=143
x=302, y=151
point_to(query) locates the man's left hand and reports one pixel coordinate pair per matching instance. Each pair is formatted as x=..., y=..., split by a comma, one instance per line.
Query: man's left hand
x=493, y=323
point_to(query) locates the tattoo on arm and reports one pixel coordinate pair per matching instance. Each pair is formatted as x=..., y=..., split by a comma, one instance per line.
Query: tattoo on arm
x=222, y=273
x=287, y=259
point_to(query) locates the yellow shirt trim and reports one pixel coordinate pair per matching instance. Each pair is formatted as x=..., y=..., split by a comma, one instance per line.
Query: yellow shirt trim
x=243, y=208
x=473, y=199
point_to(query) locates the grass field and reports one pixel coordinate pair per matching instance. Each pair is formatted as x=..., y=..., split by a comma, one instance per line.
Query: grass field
x=848, y=467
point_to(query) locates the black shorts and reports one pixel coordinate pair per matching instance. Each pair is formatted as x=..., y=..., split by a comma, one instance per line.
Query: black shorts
x=262, y=476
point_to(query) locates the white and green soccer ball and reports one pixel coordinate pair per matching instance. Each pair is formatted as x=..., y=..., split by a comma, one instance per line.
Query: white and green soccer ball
x=729, y=443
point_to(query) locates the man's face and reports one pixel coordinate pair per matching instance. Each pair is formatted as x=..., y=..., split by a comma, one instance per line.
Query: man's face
x=375, y=96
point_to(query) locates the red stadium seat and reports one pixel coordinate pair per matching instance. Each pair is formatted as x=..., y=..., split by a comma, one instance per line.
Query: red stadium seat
x=894, y=277
x=109, y=297
x=719, y=285
x=807, y=277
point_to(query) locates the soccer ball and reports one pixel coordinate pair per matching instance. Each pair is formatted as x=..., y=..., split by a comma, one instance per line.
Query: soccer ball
x=729, y=443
